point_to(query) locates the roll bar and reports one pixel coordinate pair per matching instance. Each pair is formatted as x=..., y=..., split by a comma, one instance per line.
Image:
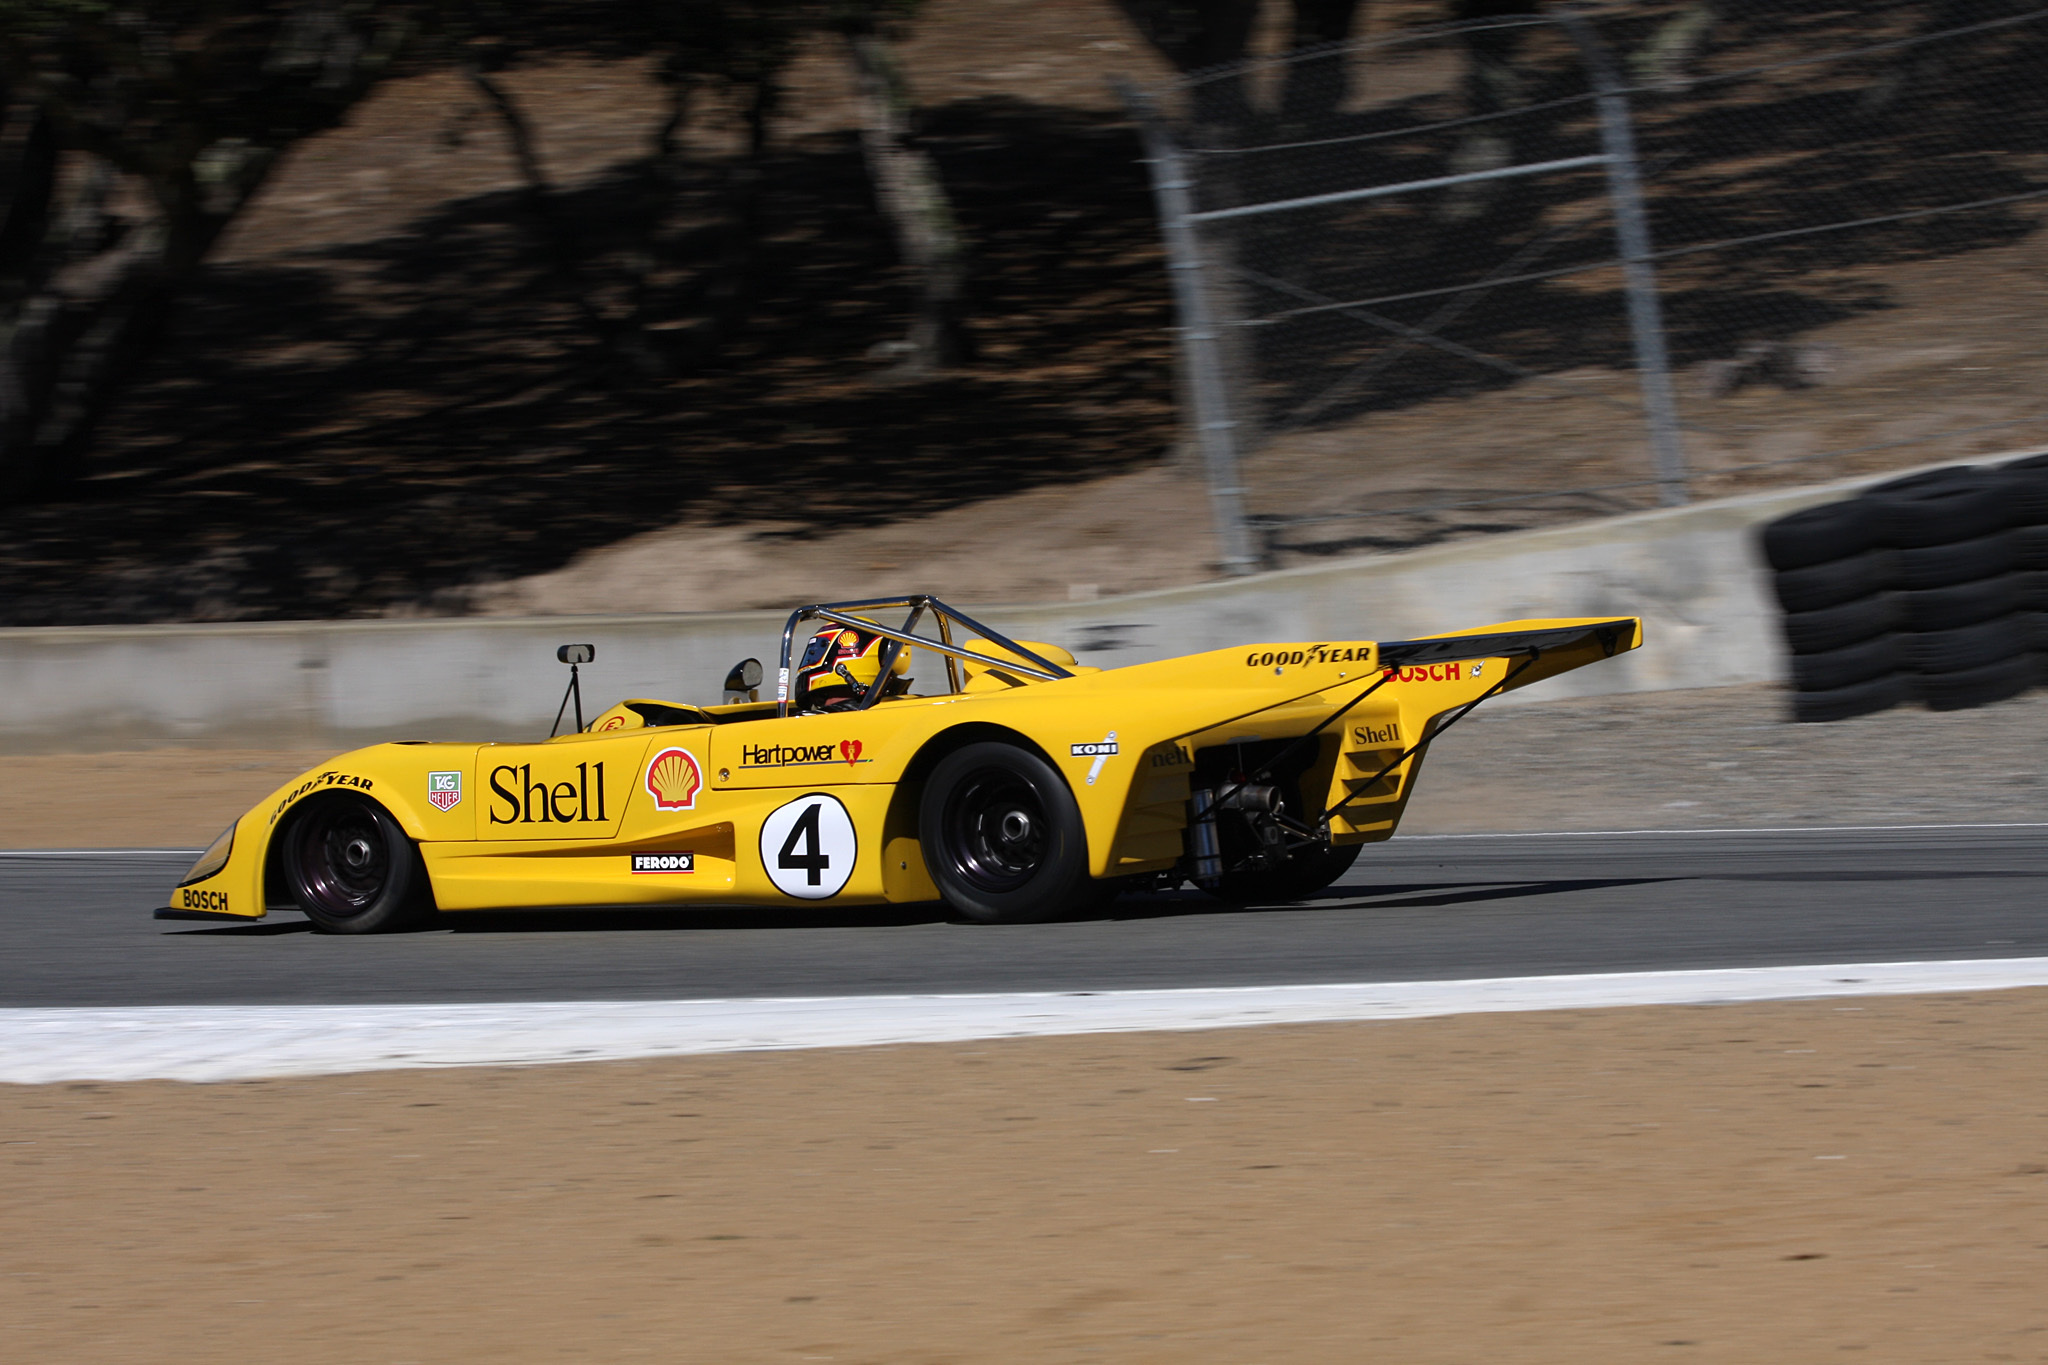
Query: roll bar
x=843, y=613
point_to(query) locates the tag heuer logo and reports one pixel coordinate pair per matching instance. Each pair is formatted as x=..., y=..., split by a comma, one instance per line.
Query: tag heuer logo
x=444, y=790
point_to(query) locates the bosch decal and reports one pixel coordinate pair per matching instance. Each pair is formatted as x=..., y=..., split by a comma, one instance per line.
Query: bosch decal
x=191, y=898
x=1425, y=673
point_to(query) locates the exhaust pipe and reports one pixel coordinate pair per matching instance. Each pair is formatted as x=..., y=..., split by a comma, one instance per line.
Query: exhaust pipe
x=1207, y=850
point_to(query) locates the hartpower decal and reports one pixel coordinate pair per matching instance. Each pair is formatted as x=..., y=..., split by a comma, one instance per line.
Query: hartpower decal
x=809, y=847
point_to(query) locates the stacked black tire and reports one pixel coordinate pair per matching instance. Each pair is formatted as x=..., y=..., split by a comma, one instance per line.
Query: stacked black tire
x=1932, y=588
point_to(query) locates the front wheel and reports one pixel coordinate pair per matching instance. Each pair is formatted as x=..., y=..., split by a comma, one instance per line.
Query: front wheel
x=350, y=868
x=1002, y=836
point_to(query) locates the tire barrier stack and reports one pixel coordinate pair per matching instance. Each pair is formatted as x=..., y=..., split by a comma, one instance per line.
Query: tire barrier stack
x=1930, y=588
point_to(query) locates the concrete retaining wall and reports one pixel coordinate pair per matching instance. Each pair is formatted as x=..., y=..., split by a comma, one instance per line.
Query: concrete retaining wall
x=1692, y=572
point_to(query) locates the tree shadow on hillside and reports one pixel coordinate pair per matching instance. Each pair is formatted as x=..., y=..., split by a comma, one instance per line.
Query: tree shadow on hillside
x=381, y=425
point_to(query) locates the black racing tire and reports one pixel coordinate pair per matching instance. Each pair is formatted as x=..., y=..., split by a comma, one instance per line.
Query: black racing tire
x=1962, y=604
x=350, y=868
x=2032, y=628
x=2030, y=546
x=1976, y=686
x=1914, y=483
x=1300, y=877
x=1858, y=699
x=1845, y=667
x=1939, y=507
x=1819, y=586
x=1954, y=651
x=1816, y=632
x=1816, y=535
x=1965, y=561
x=1002, y=836
x=2030, y=591
x=2026, y=489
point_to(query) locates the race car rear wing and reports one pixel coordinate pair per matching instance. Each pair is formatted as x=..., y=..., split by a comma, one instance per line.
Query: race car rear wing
x=1545, y=651
x=1542, y=651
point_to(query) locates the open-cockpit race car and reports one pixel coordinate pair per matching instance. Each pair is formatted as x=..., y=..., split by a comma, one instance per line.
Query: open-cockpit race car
x=931, y=759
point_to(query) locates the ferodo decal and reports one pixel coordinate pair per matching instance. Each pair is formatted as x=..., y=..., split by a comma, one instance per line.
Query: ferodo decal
x=191, y=898
x=1426, y=673
x=319, y=780
x=1365, y=735
x=664, y=862
x=809, y=847
x=444, y=790
x=673, y=779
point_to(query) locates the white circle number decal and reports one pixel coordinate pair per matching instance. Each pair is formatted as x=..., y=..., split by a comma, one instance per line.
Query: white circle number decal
x=808, y=847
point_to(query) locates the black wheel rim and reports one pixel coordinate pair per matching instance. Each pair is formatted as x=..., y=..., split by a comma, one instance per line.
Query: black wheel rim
x=998, y=834
x=341, y=862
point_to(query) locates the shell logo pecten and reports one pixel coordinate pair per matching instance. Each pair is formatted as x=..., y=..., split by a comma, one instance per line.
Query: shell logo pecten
x=673, y=778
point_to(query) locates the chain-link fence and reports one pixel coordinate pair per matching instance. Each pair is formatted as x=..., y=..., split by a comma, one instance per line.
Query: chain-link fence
x=1501, y=274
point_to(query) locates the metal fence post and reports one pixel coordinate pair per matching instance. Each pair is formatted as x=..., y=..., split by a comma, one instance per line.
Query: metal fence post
x=1200, y=344
x=1632, y=233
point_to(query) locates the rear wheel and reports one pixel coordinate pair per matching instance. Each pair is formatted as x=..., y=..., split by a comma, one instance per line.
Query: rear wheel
x=351, y=869
x=1003, y=837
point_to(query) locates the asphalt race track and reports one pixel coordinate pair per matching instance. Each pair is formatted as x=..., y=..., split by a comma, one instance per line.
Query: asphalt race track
x=78, y=931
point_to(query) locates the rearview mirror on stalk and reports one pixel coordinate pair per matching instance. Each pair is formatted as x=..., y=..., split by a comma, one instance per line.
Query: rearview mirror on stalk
x=572, y=655
x=742, y=682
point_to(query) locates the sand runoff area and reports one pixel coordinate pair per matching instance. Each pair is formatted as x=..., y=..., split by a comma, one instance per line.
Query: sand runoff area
x=1830, y=1180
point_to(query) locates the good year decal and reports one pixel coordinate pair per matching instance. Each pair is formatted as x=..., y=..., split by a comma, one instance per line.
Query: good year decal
x=809, y=847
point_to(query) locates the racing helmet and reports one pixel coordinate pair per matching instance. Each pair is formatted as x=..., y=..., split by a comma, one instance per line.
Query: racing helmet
x=840, y=664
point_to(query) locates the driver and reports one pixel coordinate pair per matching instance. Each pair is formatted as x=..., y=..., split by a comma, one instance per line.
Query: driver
x=840, y=664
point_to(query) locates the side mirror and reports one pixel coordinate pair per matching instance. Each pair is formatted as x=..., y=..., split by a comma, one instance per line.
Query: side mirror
x=572, y=655
x=742, y=682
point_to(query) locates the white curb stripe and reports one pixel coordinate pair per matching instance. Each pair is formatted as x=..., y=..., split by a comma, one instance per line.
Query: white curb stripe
x=234, y=1042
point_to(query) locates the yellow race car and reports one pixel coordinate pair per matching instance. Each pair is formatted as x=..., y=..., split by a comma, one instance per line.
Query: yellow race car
x=935, y=759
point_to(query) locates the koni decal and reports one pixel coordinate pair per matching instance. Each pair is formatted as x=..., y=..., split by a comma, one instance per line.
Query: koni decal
x=517, y=799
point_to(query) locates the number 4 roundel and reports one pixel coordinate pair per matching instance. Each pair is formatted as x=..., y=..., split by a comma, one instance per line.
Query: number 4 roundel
x=809, y=847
